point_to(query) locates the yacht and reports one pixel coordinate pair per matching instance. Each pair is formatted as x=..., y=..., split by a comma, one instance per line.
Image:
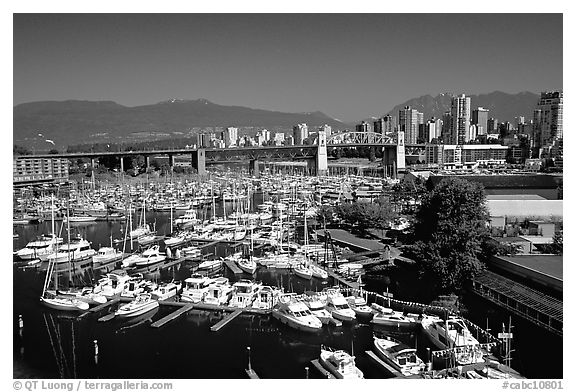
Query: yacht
x=392, y=318
x=210, y=265
x=141, y=304
x=318, y=309
x=85, y=294
x=219, y=292
x=113, y=283
x=318, y=272
x=266, y=298
x=340, y=364
x=338, y=306
x=40, y=248
x=399, y=356
x=244, y=293
x=149, y=257
x=249, y=266
x=360, y=306
x=195, y=288
x=177, y=238
x=63, y=302
x=106, y=255
x=166, y=290
x=189, y=218
x=453, y=334
x=296, y=314
x=76, y=250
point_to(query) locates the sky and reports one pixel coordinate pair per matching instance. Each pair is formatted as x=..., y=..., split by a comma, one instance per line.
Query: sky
x=348, y=66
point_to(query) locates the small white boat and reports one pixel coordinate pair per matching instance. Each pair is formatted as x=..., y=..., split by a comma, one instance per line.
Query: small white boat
x=40, y=248
x=79, y=219
x=244, y=293
x=113, y=283
x=85, y=294
x=177, y=238
x=195, y=288
x=139, y=232
x=247, y=265
x=399, y=356
x=318, y=272
x=360, y=306
x=106, y=255
x=76, y=250
x=296, y=315
x=303, y=272
x=339, y=308
x=219, y=292
x=63, y=302
x=340, y=364
x=266, y=298
x=165, y=291
x=150, y=257
x=210, y=264
x=191, y=251
x=142, y=304
x=318, y=309
x=392, y=318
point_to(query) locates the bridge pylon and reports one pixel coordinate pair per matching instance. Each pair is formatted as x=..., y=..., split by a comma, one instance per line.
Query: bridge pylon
x=321, y=155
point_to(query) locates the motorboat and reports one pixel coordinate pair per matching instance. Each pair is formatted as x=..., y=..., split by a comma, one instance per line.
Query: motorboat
x=398, y=355
x=141, y=304
x=189, y=218
x=139, y=232
x=149, y=257
x=195, y=288
x=80, y=218
x=318, y=272
x=40, y=248
x=318, y=309
x=302, y=271
x=339, y=308
x=166, y=290
x=106, y=255
x=77, y=249
x=392, y=318
x=210, y=264
x=137, y=285
x=114, y=283
x=219, y=292
x=360, y=306
x=244, y=293
x=177, y=239
x=191, y=251
x=296, y=314
x=340, y=364
x=266, y=298
x=453, y=333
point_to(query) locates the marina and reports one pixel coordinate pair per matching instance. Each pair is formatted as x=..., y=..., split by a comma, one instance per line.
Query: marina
x=192, y=257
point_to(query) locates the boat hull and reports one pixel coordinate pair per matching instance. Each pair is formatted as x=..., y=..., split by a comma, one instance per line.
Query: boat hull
x=294, y=324
x=120, y=313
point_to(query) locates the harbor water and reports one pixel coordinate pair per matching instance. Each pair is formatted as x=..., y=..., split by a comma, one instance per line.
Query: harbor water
x=52, y=344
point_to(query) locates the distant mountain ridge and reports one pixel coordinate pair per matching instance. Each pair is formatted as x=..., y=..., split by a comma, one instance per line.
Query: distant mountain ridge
x=73, y=121
x=502, y=106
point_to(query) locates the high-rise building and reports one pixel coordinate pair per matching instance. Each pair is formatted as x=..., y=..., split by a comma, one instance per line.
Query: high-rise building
x=278, y=138
x=230, y=136
x=518, y=120
x=548, y=118
x=460, y=120
x=379, y=125
x=300, y=132
x=446, y=124
x=408, y=121
x=326, y=128
x=492, y=125
x=363, y=127
x=480, y=119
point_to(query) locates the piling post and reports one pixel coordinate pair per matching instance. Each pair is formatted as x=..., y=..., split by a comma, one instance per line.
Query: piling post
x=96, y=352
x=307, y=372
x=20, y=325
x=429, y=356
x=249, y=363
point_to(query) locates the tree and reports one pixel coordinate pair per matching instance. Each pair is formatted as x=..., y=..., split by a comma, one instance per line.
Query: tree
x=53, y=151
x=364, y=216
x=20, y=150
x=450, y=230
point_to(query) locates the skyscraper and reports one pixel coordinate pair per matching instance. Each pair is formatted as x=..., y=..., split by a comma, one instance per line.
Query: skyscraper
x=363, y=127
x=408, y=122
x=480, y=119
x=460, y=116
x=492, y=125
x=548, y=124
x=300, y=132
x=230, y=136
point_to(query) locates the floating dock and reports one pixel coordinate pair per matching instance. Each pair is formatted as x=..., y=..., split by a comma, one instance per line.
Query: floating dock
x=232, y=266
x=106, y=304
x=321, y=369
x=229, y=317
x=108, y=317
x=388, y=368
x=172, y=316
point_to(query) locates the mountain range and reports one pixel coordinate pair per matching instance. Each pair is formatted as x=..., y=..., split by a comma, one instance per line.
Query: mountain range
x=76, y=122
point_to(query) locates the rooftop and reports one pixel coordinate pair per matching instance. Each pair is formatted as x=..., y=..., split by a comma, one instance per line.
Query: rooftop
x=550, y=265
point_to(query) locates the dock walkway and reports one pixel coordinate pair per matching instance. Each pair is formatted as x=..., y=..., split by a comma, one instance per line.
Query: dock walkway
x=172, y=316
x=232, y=266
x=229, y=317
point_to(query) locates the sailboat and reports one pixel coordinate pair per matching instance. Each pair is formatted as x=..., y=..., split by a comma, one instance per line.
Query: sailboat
x=50, y=297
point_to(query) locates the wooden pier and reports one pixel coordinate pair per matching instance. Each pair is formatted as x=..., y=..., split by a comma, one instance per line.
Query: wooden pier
x=232, y=266
x=108, y=317
x=172, y=316
x=105, y=305
x=388, y=368
x=321, y=369
x=354, y=285
x=229, y=317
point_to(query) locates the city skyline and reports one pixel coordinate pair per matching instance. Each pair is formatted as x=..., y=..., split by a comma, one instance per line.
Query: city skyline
x=283, y=62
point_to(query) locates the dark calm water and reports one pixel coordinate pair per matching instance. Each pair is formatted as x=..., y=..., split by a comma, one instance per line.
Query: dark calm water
x=53, y=344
